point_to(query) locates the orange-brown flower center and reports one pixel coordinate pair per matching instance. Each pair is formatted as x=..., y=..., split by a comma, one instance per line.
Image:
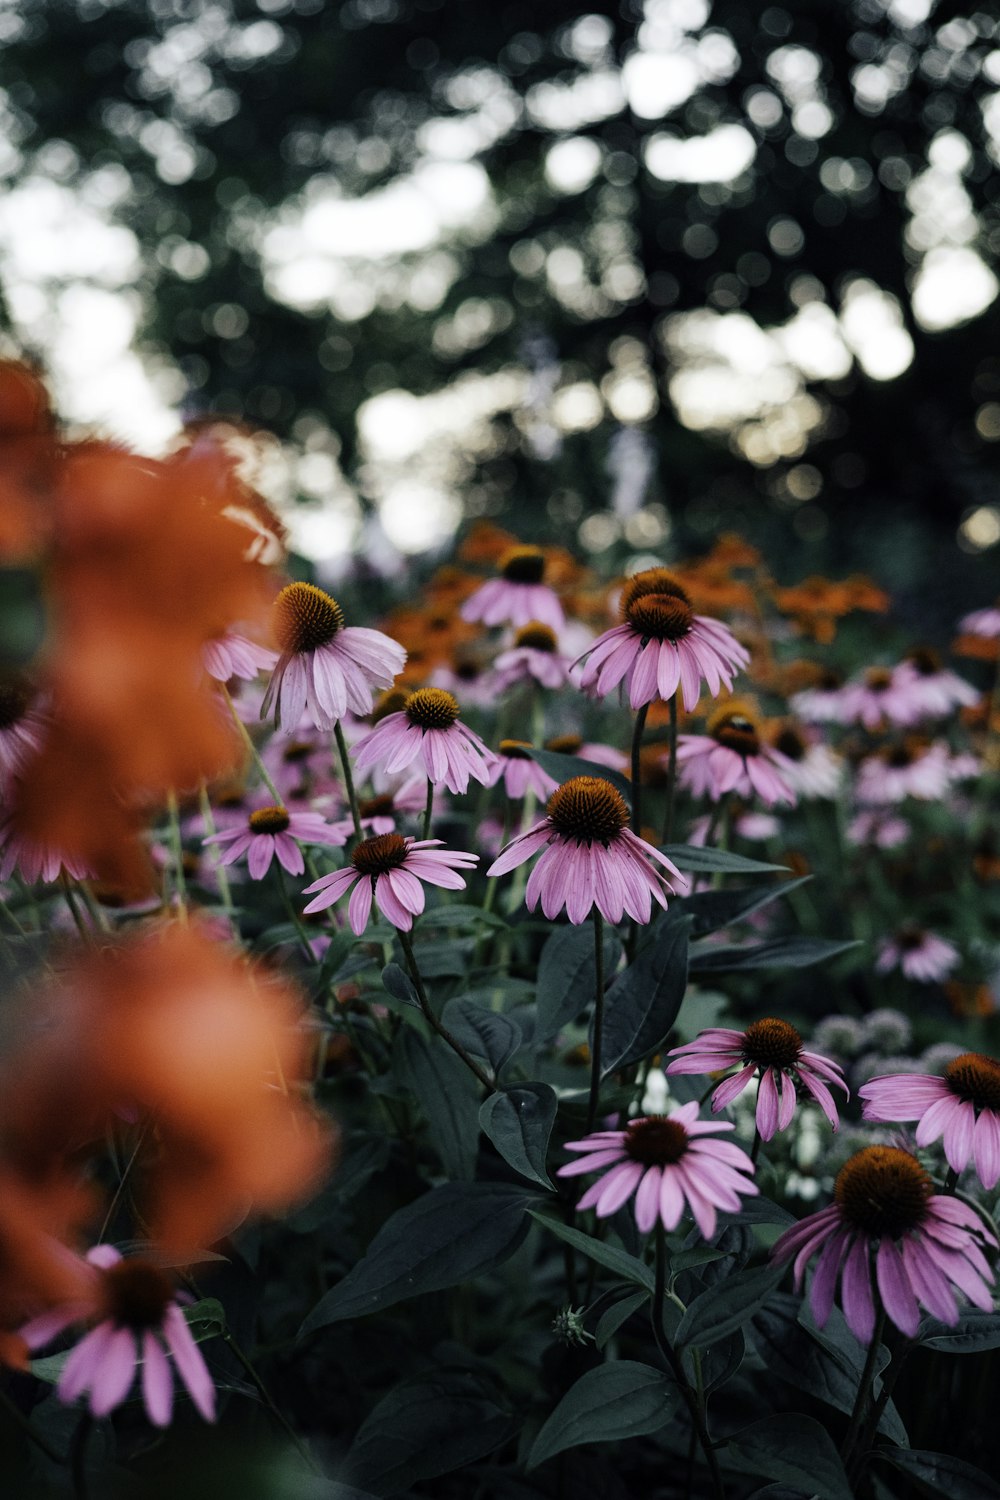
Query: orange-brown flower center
x=660, y=617
x=656, y=1142
x=883, y=1190
x=975, y=1077
x=297, y=750
x=381, y=806
x=379, y=855
x=537, y=636
x=587, y=808
x=651, y=581
x=523, y=565
x=136, y=1294
x=790, y=742
x=772, y=1044
x=269, y=820
x=900, y=756
x=432, y=708
x=925, y=659
x=564, y=744
x=305, y=618
x=878, y=679
x=15, y=696
x=736, y=730
x=515, y=749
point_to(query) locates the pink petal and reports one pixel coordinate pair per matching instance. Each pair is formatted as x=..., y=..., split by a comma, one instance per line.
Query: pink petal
x=190, y=1364
x=895, y=1289
x=111, y=1382
x=157, y=1381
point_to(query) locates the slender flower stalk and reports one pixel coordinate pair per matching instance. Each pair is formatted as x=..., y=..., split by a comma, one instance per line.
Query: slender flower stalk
x=595, y=1051
x=432, y=1019
x=636, y=761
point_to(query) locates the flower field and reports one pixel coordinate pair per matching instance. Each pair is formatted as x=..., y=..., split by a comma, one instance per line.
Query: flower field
x=523, y=1030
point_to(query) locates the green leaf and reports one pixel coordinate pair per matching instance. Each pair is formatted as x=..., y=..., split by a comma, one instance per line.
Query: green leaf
x=624, y=1265
x=761, y=1210
x=725, y=1307
x=566, y=976
x=708, y=861
x=519, y=1121
x=448, y=1095
x=565, y=767
x=819, y=1365
x=610, y=1322
x=426, y=1427
x=940, y=1474
x=451, y=1234
x=397, y=983
x=974, y=1332
x=22, y=616
x=714, y=909
x=485, y=1033
x=642, y=1003
x=794, y=1450
x=621, y=1399
x=777, y=953
x=460, y=914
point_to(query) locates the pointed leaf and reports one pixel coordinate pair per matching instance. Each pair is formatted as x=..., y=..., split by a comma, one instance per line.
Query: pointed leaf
x=397, y=983
x=795, y=1450
x=484, y=1033
x=448, y=1095
x=940, y=1474
x=643, y=1002
x=725, y=1307
x=451, y=1234
x=519, y=1121
x=624, y=1265
x=566, y=976
x=565, y=767
x=610, y=1322
x=777, y=953
x=621, y=1399
x=974, y=1332
x=708, y=861
x=714, y=909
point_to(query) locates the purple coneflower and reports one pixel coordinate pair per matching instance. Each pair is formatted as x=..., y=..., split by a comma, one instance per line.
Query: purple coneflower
x=933, y=690
x=984, y=622
x=962, y=1107
x=534, y=657
x=141, y=1321
x=812, y=769
x=271, y=831
x=427, y=730
x=876, y=698
x=325, y=666
x=879, y=827
x=921, y=955
x=771, y=1050
x=660, y=646
x=666, y=1160
x=520, y=773
x=233, y=655
x=924, y=1245
x=591, y=857
x=904, y=770
x=34, y=860
x=592, y=750
x=390, y=869
x=820, y=704
x=733, y=757
x=518, y=596
x=22, y=727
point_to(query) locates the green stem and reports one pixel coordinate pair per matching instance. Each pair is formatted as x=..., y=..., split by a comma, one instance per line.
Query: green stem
x=899, y=1357
x=268, y=1400
x=122, y=1180
x=345, y=765
x=864, y=1389
x=595, y=1051
x=77, y=915
x=78, y=1456
x=428, y=809
x=296, y=920
x=637, y=732
x=221, y=873
x=180, y=883
x=694, y=1406
x=262, y=770
x=668, y=824
x=431, y=1018
x=950, y=1181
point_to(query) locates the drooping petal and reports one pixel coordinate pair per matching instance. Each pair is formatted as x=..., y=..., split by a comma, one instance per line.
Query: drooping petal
x=157, y=1381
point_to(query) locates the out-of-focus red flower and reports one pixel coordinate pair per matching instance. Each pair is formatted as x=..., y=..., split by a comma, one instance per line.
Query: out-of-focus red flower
x=145, y=565
x=206, y=1051
x=28, y=460
x=42, y=1212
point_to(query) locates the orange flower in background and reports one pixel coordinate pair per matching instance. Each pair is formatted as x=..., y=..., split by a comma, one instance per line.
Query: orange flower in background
x=41, y=1214
x=485, y=543
x=146, y=565
x=817, y=603
x=29, y=452
x=205, y=1051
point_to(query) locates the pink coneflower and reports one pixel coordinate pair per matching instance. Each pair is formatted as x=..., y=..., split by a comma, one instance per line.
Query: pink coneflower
x=820, y=704
x=877, y=698
x=879, y=827
x=984, y=622
x=661, y=645
x=592, y=750
x=270, y=831
x=34, y=860
x=534, y=657
x=302, y=769
x=233, y=655
x=325, y=666
x=427, y=730
x=518, y=596
x=733, y=757
x=962, y=1107
x=813, y=769
x=591, y=857
x=390, y=869
x=520, y=773
x=667, y=1161
x=22, y=727
x=920, y=954
x=934, y=691
x=141, y=1324
x=924, y=1245
x=904, y=770
x=772, y=1051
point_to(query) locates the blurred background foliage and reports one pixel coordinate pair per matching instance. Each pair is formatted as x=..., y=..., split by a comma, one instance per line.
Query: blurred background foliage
x=652, y=267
